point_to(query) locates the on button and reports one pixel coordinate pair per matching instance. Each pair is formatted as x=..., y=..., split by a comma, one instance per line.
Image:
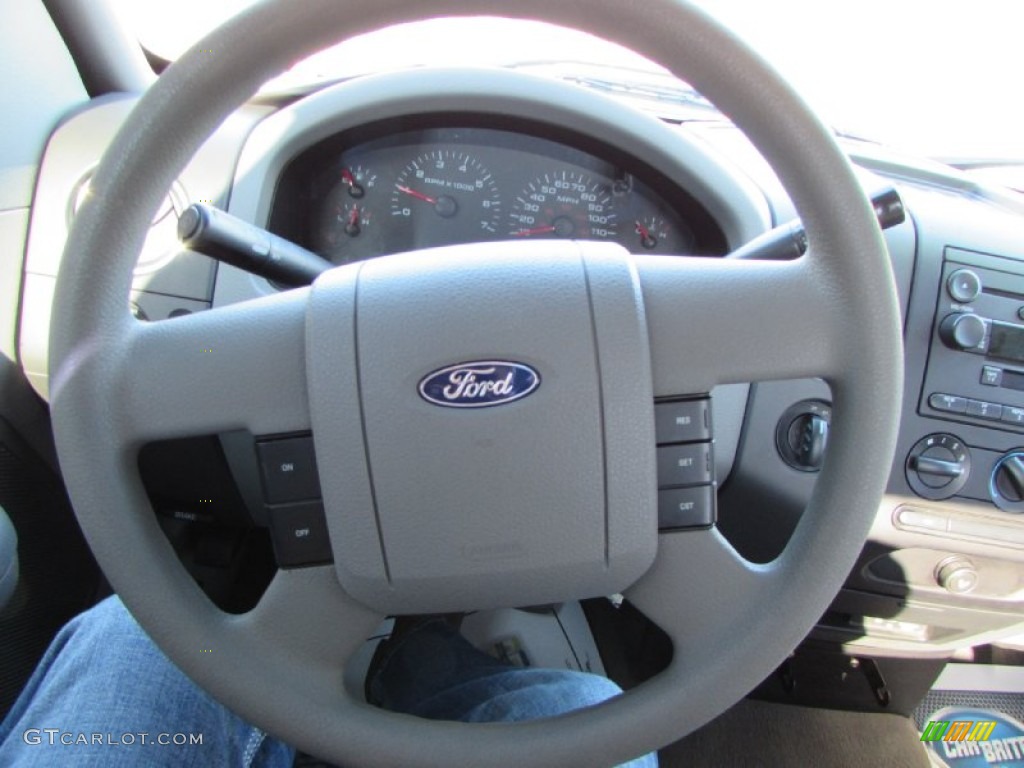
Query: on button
x=288, y=468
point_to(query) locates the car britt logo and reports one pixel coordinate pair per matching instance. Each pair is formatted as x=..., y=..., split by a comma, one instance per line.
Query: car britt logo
x=479, y=384
x=958, y=730
x=969, y=737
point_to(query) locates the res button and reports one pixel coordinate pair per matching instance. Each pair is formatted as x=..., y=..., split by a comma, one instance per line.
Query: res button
x=682, y=421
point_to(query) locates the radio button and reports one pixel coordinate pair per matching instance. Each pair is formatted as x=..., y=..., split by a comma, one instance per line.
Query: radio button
x=948, y=403
x=991, y=376
x=964, y=286
x=982, y=410
x=964, y=331
x=1012, y=415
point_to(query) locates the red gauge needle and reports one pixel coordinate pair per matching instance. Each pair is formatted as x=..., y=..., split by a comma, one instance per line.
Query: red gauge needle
x=643, y=231
x=354, y=189
x=534, y=231
x=353, y=216
x=417, y=195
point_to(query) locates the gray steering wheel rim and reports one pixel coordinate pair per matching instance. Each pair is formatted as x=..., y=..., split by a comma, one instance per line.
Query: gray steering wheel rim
x=91, y=319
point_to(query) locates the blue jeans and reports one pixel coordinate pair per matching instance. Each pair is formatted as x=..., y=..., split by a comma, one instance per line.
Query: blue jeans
x=105, y=695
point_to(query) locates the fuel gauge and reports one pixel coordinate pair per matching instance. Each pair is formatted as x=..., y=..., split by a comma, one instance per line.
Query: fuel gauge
x=654, y=233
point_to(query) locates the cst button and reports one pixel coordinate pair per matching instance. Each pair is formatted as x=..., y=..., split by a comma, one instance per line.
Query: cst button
x=686, y=508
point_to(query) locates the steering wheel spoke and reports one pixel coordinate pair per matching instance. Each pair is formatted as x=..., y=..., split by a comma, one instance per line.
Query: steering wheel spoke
x=715, y=321
x=710, y=583
x=241, y=366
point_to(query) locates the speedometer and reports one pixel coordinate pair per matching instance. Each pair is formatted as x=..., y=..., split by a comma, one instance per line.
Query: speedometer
x=565, y=204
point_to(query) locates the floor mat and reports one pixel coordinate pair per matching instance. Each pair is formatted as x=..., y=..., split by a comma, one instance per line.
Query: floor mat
x=973, y=728
x=756, y=733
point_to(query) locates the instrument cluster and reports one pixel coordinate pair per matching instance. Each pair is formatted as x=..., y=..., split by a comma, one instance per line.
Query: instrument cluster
x=354, y=197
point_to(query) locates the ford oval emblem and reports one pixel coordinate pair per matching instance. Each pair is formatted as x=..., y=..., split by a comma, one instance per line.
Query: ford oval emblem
x=479, y=384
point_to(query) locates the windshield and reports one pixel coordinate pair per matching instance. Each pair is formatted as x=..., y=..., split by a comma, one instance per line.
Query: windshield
x=932, y=78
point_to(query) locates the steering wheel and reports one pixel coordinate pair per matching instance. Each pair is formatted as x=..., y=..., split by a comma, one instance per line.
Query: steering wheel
x=572, y=463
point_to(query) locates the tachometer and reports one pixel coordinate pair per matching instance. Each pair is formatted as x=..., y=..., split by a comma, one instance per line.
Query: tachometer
x=446, y=196
x=564, y=204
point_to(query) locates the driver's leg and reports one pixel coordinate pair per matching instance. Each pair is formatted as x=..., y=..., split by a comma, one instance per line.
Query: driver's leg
x=105, y=695
x=432, y=671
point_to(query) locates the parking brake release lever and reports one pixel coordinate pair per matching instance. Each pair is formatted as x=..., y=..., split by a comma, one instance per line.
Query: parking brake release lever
x=227, y=238
x=789, y=240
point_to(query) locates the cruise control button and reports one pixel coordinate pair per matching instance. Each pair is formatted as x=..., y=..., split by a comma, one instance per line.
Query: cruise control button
x=288, y=468
x=982, y=410
x=682, y=421
x=686, y=508
x=299, y=533
x=948, y=403
x=684, y=464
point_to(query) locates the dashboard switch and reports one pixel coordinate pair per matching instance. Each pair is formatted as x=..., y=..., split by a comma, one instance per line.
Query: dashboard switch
x=1006, y=486
x=684, y=465
x=686, y=508
x=991, y=376
x=288, y=469
x=957, y=575
x=299, y=533
x=938, y=466
x=964, y=331
x=682, y=421
x=964, y=286
x=948, y=403
x=982, y=410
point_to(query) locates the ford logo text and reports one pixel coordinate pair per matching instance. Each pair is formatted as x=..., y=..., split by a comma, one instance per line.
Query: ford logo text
x=479, y=384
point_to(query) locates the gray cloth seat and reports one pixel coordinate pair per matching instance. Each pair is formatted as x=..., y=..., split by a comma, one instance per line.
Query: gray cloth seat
x=8, y=558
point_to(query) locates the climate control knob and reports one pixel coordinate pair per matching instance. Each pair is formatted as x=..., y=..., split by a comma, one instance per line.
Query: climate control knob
x=938, y=466
x=962, y=330
x=1006, y=486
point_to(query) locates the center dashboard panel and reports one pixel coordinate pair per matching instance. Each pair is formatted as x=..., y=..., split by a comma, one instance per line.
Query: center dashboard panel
x=406, y=185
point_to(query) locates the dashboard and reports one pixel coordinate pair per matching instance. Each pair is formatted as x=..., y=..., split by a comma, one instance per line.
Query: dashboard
x=409, y=161
x=349, y=199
